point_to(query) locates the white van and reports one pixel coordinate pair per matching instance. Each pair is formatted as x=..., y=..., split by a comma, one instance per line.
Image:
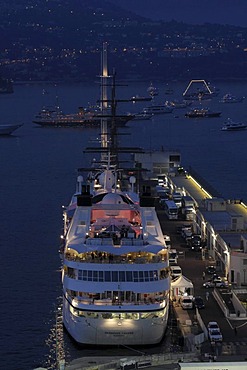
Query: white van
x=187, y=302
x=176, y=271
x=173, y=257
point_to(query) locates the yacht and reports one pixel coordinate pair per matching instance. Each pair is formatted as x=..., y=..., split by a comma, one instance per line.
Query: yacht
x=158, y=109
x=230, y=125
x=115, y=275
x=142, y=116
x=229, y=98
x=115, y=266
x=202, y=113
x=178, y=104
x=54, y=117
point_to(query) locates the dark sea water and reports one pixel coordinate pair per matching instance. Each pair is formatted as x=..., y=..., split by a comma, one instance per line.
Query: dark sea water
x=37, y=176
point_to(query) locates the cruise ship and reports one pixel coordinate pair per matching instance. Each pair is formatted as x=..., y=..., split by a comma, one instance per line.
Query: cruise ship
x=115, y=266
x=115, y=275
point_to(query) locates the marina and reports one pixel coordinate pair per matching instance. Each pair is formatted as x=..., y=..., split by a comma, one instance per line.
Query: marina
x=36, y=174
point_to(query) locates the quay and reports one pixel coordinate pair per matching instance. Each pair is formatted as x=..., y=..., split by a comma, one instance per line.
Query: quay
x=223, y=224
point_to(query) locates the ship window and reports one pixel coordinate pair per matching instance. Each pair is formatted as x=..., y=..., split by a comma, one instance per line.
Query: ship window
x=107, y=276
x=135, y=275
x=146, y=275
x=140, y=275
x=79, y=274
x=95, y=275
x=114, y=275
x=84, y=275
x=101, y=276
x=90, y=275
x=151, y=274
x=129, y=276
x=121, y=275
x=81, y=313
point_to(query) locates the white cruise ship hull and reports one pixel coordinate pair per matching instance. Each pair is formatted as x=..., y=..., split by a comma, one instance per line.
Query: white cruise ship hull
x=99, y=331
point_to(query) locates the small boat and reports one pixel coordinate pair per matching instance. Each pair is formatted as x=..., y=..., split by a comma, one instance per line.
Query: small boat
x=202, y=113
x=157, y=109
x=177, y=104
x=8, y=129
x=137, y=98
x=153, y=91
x=6, y=86
x=230, y=125
x=229, y=98
x=142, y=116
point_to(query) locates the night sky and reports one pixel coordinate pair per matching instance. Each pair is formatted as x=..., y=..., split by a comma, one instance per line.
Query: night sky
x=233, y=12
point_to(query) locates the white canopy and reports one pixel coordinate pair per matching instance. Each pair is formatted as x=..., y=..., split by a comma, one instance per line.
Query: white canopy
x=182, y=282
x=180, y=286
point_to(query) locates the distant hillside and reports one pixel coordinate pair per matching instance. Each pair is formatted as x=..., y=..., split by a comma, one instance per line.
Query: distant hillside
x=59, y=23
x=231, y=12
x=62, y=40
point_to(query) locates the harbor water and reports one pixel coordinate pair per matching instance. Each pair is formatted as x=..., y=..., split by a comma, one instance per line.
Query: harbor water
x=37, y=176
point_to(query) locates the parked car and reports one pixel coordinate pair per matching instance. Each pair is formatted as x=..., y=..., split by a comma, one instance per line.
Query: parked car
x=215, y=335
x=187, y=302
x=186, y=234
x=213, y=325
x=216, y=283
x=210, y=270
x=198, y=302
x=195, y=242
x=173, y=257
x=176, y=271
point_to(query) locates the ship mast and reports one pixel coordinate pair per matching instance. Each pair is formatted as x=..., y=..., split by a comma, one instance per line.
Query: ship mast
x=103, y=101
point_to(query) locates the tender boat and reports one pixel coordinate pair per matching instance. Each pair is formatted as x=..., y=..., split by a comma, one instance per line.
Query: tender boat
x=157, y=109
x=229, y=98
x=8, y=129
x=233, y=126
x=202, y=113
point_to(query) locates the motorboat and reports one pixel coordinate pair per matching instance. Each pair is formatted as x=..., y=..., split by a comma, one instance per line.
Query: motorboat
x=157, y=109
x=229, y=98
x=152, y=90
x=178, y=104
x=142, y=116
x=230, y=125
x=202, y=113
x=138, y=98
x=8, y=129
